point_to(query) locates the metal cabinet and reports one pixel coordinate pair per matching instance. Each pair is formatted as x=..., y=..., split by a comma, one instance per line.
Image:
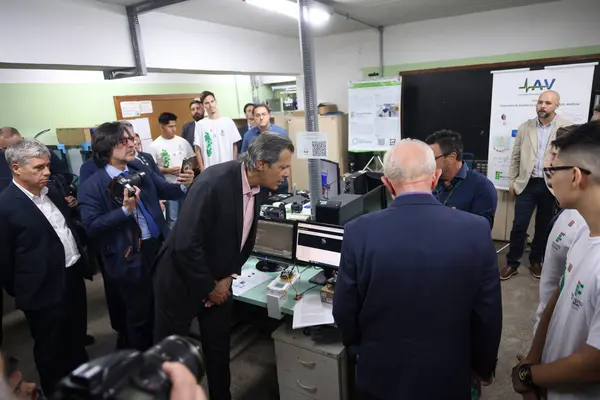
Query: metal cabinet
x=307, y=370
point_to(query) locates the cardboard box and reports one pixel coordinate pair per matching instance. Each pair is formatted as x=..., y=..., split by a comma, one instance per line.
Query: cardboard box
x=327, y=292
x=299, y=113
x=73, y=136
x=326, y=108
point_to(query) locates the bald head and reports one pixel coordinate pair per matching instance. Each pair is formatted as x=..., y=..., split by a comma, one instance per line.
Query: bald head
x=410, y=166
x=546, y=106
x=8, y=136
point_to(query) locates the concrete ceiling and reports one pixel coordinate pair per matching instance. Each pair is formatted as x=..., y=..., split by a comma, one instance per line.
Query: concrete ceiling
x=376, y=12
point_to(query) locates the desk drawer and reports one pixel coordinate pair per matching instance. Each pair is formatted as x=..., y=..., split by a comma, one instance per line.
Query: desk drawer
x=310, y=373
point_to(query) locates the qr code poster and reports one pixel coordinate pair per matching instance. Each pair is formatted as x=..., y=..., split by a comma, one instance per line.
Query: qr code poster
x=312, y=145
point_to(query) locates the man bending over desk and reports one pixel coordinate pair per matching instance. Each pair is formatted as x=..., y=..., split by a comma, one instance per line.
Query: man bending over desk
x=212, y=239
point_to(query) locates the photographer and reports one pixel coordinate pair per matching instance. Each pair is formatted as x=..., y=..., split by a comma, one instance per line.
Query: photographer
x=127, y=232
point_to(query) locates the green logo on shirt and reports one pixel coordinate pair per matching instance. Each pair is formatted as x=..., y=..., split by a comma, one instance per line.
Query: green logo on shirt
x=208, y=140
x=575, y=302
x=166, y=158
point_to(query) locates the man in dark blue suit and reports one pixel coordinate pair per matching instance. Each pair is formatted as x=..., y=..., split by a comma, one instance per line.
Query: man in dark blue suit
x=42, y=262
x=127, y=233
x=418, y=290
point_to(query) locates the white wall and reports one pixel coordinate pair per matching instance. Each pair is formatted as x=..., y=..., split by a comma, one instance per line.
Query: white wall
x=72, y=32
x=552, y=26
x=339, y=59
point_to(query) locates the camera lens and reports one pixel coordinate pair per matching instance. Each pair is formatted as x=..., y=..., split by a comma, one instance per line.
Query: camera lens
x=177, y=349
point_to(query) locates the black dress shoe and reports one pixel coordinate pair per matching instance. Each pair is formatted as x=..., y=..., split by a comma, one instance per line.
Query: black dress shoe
x=89, y=340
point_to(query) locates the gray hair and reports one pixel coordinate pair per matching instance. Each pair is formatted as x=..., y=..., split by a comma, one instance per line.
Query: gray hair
x=266, y=147
x=23, y=151
x=411, y=165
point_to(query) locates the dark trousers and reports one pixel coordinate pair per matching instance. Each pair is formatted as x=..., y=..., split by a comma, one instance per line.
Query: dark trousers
x=215, y=333
x=535, y=194
x=59, y=333
x=115, y=305
x=138, y=297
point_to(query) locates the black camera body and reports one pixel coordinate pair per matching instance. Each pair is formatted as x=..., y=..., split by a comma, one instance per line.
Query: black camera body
x=131, y=375
x=121, y=183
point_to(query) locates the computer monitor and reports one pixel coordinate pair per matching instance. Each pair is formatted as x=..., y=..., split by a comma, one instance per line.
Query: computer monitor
x=330, y=179
x=275, y=244
x=373, y=200
x=319, y=244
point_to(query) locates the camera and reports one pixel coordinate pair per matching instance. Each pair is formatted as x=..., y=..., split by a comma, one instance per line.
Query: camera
x=121, y=183
x=130, y=374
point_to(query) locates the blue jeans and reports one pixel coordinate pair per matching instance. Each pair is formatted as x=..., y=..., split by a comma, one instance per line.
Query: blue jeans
x=535, y=194
x=172, y=212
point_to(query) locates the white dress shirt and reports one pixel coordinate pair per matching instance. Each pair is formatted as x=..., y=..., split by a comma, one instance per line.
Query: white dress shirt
x=58, y=222
x=543, y=133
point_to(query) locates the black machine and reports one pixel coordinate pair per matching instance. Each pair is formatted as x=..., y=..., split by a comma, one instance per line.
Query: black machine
x=319, y=245
x=130, y=374
x=275, y=244
x=339, y=209
x=121, y=183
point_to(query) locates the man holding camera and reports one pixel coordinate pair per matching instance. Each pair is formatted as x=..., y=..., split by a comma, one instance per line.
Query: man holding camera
x=120, y=210
x=42, y=262
x=210, y=243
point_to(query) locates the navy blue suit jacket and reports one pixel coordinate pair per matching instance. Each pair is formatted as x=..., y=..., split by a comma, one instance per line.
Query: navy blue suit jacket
x=107, y=225
x=418, y=294
x=32, y=257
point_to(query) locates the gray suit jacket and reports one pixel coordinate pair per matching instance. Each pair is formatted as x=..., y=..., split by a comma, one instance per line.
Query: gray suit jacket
x=188, y=132
x=525, y=152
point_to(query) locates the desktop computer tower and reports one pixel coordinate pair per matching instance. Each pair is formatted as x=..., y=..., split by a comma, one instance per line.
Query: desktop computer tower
x=339, y=209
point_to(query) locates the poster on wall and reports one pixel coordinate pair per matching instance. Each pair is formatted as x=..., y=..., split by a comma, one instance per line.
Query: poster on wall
x=514, y=97
x=374, y=114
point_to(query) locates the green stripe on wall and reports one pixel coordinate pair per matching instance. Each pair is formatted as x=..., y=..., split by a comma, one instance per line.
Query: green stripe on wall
x=393, y=70
x=33, y=107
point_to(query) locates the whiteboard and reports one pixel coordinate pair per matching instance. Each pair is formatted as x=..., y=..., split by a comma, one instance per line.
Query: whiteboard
x=374, y=114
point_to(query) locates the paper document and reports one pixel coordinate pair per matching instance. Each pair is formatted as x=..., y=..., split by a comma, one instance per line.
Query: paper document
x=249, y=279
x=146, y=107
x=130, y=109
x=310, y=311
x=312, y=145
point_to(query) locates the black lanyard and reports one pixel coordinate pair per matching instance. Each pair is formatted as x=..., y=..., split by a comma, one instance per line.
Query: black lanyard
x=454, y=186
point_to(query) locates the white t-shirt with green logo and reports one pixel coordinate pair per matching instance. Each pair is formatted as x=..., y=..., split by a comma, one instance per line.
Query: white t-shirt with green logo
x=576, y=318
x=216, y=138
x=567, y=227
x=170, y=153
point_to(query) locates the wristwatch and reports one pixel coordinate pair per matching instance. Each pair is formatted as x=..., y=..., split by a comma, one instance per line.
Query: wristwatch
x=525, y=374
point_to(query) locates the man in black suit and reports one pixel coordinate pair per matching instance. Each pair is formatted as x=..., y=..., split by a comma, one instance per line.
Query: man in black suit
x=42, y=263
x=211, y=241
x=189, y=129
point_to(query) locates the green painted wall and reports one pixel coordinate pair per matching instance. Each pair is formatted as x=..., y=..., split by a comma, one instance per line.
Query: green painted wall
x=393, y=70
x=33, y=107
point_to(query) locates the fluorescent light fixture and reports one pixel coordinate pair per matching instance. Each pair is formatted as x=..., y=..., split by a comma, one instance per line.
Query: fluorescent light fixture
x=316, y=15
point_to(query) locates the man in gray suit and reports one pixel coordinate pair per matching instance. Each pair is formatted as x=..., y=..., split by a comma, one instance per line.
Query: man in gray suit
x=532, y=146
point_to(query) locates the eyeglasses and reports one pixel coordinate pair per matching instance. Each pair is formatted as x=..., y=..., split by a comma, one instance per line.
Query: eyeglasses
x=125, y=140
x=442, y=155
x=549, y=171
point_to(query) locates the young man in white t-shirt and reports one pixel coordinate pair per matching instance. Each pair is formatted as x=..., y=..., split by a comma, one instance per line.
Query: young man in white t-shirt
x=169, y=151
x=565, y=227
x=216, y=137
x=565, y=354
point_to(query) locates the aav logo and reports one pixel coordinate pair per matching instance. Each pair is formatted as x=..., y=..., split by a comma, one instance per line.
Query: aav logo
x=537, y=85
